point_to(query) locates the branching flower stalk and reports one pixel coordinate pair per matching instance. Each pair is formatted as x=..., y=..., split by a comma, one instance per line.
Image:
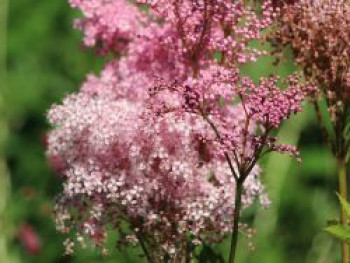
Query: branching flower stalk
x=318, y=33
x=263, y=107
x=168, y=138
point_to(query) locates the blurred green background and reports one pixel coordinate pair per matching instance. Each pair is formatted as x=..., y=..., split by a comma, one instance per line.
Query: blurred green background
x=41, y=60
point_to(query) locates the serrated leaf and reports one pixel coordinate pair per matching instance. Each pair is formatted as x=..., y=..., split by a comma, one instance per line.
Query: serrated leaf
x=339, y=231
x=345, y=205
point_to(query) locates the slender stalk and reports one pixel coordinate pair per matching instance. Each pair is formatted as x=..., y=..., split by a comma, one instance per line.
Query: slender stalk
x=144, y=248
x=217, y=134
x=4, y=175
x=320, y=120
x=343, y=193
x=237, y=214
x=188, y=253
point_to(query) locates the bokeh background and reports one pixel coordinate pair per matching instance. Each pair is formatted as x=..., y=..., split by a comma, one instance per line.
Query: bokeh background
x=41, y=61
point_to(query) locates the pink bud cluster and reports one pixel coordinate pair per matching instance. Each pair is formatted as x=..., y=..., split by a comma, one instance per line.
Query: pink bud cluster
x=209, y=26
x=242, y=130
x=160, y=139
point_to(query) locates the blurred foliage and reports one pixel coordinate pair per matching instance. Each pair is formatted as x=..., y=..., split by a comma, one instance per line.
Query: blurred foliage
x=45, y=62
x=338, y=230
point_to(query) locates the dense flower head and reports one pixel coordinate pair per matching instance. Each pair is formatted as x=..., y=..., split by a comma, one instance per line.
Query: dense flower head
x=118, y=80
x=242, y=131
x=155, y=52
x=208, y=26
x=119, y=161
x=108, y=25
x=162, y=137
x=319, y=33
x=267, y=104
x=199, y=28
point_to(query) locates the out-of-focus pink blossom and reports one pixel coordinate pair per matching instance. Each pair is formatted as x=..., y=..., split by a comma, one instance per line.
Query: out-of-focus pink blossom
x=109, y=25
x=29, y=239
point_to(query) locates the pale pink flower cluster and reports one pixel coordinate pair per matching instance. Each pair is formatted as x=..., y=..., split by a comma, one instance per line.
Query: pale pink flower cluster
x=109, y=25
x=162, y=137
x=162, y=176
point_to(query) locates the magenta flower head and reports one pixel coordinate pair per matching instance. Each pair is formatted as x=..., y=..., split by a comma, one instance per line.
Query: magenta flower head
x=164, y=176
x=163, y=146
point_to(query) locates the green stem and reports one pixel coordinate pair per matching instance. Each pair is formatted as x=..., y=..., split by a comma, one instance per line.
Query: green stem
x=144, y=248
x=343, y=193
x=4, y=175
x=237, y=214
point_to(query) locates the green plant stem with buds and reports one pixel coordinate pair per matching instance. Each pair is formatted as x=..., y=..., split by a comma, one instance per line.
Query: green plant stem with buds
x=339, y=146
x=343, y=193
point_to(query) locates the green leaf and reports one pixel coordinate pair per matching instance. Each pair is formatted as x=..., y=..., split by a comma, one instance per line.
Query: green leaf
x=345, y=205
x=346, y=131
x=339, y=231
